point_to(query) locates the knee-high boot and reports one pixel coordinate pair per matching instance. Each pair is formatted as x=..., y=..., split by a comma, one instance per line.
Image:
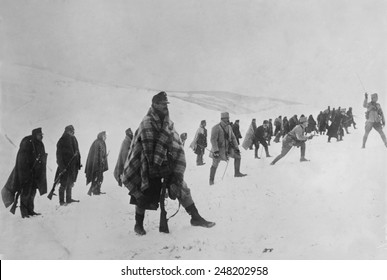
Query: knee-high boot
x=237, y=166
x=139, y=226
x=196, y=219
x=212, y=174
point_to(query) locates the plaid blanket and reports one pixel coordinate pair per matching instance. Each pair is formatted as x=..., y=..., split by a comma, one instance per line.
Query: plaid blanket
x=156, y=152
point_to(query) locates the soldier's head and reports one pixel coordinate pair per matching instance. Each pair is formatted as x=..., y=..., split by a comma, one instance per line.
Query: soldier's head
x=225, y=117
x=37, y=134
x=70, y=130
x=253, y=121
x=129, y=132
x=203, y=123
x=303, y=121
x=265, y=123
x=374, y=97
x=160, y=103
x=102, y=135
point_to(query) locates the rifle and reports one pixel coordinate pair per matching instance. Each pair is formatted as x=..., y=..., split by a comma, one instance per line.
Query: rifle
x=49, y=196
x=14, y=205
x=163, y=227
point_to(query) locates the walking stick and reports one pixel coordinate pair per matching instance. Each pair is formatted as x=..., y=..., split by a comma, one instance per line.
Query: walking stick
x=361, y=82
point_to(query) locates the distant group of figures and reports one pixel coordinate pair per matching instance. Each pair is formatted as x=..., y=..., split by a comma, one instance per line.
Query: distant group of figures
x=153, y=157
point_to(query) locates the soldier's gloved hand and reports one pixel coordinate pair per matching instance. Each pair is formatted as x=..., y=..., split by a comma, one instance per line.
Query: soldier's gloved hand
x=216, y=154
x=310, y=137
x=237, y=151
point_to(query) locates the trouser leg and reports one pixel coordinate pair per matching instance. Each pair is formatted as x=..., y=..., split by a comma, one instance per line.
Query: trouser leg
x=367, y=130
x=214, y=166
x=24, y=201
x=62, y=189
x=285, y=149
x=303, y=149
x=382, y=135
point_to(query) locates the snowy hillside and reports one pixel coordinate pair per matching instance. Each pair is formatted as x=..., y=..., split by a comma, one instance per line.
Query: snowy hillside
x=330, y=208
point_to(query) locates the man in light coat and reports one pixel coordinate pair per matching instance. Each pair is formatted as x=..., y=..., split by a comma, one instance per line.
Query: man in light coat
x=375, y=118
x=224, y=145
x=295, y=138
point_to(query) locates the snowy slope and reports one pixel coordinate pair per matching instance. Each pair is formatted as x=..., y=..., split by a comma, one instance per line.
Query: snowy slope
x=330, y=208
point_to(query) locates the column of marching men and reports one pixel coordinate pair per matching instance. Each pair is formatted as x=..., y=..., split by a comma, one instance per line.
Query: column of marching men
x=153, y=157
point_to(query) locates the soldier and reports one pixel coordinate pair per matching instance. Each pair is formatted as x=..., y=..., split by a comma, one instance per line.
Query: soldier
x=270, y=131
x=199, y=143
x=295, y=138
x=157, y=159
x=351, y=119
x=96, y=164
x=260, y=136
x=224, y=145
x=123, y=155
x=293, y=121
x=375, y=118
x=236, y=131
x=183, y=137
x=68, y=159
x=28, y=174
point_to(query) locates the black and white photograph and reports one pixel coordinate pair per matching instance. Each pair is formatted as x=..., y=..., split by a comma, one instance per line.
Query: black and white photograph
x=193, y=130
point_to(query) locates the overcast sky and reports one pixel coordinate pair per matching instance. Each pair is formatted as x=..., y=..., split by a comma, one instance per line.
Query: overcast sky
x=301, y=49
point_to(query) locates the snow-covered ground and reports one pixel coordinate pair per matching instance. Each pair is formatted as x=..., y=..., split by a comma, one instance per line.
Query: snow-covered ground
x=332, y=207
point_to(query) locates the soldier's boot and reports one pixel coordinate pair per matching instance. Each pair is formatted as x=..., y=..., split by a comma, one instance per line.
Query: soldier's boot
x=23, y=210
x=303, y=148
x=69, y=195
x=61, y=196
x=267, y=152
x=256, y=154
x=196, y=219
x=237, y=166
x=212, y=175
x=139, y=226
x=364, y=141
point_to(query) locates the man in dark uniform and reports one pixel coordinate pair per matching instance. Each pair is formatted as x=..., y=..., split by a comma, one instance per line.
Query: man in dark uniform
x=260, y=137
x=28, y=175
x=68, y=159
x=236, y=131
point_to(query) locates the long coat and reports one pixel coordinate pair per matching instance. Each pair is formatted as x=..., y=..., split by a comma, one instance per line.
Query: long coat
x=223, y=140
x=199, y=143
x=66, y=149
x=156, y=152
x=122, y=157
x=29, y=171
x=96, y=162
x=249, y=137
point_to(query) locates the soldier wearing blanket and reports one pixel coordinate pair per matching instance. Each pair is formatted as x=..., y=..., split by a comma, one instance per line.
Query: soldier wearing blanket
x=224, y=145
x=295, y=138
x=123, y=155
x=199, y=143
x=156, y=158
